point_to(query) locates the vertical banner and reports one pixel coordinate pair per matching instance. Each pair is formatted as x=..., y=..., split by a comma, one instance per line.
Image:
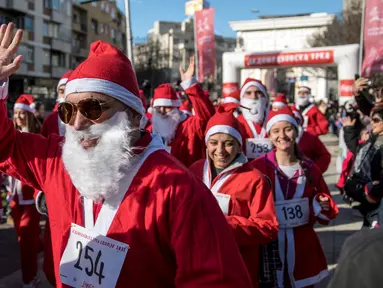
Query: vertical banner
x=372, y=37
x=204, y=25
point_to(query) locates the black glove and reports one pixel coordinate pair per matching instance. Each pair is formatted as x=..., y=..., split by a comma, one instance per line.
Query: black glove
x=41, y=204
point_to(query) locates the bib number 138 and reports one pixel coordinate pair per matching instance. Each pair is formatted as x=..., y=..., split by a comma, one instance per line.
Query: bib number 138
x=90, y=261
x=292, y=213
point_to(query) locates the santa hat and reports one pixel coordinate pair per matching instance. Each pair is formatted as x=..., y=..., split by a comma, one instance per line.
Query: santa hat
x=25, y=102
x=232, y=97
x=304, y=89
x=285, y=114
x=297, y=114
x=64, y=79
x=249, y=82
x=165, y=95
x=106, y=70
x=143, y=98
x=280, y=101
x=224, y=121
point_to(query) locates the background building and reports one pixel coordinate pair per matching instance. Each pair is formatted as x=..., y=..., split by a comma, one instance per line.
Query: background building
x=57, y=36
x=347, y=4
x=279, y=33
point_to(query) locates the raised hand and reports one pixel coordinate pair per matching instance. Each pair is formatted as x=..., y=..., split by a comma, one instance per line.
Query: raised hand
x=8, y=49
x=189, y=72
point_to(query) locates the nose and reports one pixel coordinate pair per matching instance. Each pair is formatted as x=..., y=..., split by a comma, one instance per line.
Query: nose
x=80, y=122
x=220, y=148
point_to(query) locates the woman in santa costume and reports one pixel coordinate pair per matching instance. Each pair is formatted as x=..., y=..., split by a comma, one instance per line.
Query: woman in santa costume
x=243, y=194
x=313, y=120
x=310, y=145
x=301, y=199
x=182, y=134
x=253, y=96
x=25, y=216
x=279, y=102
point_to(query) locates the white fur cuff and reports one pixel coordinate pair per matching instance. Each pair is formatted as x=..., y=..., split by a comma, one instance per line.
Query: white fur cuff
x=3, y=89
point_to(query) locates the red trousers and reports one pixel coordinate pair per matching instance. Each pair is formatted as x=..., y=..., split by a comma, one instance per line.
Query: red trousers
x=27, y=225
x=48, y=256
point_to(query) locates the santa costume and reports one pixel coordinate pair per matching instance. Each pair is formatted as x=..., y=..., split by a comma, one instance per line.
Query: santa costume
x=313, y=120
x=232, y=97
x=252, y=120
x=297, y=190
x=157, y=226
x=23, y=211
x=52, y=123
x=310, y=145
x=243, y=194
x=185, y=140
x=187, y=108
x=279, y=102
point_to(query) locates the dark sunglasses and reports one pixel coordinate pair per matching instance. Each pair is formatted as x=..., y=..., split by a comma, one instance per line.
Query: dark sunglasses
x=90, y=108
x=376, y=120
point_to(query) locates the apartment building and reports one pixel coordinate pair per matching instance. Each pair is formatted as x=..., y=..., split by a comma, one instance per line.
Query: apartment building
x=99, y=20
x=46, y=44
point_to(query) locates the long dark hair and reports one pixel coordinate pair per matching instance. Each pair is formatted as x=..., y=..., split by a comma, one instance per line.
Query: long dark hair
x=33, y=124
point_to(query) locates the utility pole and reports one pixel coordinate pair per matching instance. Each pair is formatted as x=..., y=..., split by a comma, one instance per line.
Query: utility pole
x=129, y=38
x=361, y=46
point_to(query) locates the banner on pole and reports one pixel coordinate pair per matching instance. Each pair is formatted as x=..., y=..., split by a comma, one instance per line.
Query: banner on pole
x=204, y=25
x=373, y=40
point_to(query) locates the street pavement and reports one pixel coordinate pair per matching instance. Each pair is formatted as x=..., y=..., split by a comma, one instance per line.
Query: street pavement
x=332, y=237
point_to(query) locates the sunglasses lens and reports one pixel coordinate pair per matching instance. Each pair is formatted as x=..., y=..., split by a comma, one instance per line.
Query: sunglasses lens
x=90, y=108
x=66, y=111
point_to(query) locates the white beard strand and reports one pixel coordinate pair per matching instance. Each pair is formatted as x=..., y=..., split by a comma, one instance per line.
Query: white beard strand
x=166, y=126
x=97, y=171
x=259, y=106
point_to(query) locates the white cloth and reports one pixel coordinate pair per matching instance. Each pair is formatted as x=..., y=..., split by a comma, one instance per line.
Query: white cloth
x=289, y=171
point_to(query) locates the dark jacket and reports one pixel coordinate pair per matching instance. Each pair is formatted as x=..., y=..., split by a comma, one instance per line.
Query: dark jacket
x=364, y=104
x=366, y=176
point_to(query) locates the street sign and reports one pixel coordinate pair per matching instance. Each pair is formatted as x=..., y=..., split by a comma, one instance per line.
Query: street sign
x=304, y=78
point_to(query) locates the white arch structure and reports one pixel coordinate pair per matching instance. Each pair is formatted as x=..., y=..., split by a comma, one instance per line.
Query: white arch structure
x=344, y=57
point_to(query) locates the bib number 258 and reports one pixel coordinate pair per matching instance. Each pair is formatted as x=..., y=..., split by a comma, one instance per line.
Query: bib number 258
x=89, y=261
x=259, y=148
x=292, y=213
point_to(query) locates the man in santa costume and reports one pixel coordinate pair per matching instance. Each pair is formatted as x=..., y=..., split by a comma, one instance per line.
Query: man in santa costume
x=52, y=123
x=279, y=102
x=182, y=134
x=254, y=99
x=122, y=211
x=243, y=194
x=313, y=120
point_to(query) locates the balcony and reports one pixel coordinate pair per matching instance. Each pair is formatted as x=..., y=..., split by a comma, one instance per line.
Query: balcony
x=80, y=52
x=58, y=72
x=14, y=5
x=57, y=17
x=61, y=45
x=77, y=27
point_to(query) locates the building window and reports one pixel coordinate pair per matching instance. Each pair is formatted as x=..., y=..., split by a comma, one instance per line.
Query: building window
x=94, y=4
x=106, y=29
x=107, y=8
x=113, y=34
x=31, y=5
x=119, y=36
x=55, y=4
x=53, y=30
x=76, y=18
x=101, y=28
x=113, y=13
x=45, y=29
x=6, y=20
x=58, y=59
x=30, y=52
x=102, y=6
x=28, y=23
x=47, y=4
x=95, y=26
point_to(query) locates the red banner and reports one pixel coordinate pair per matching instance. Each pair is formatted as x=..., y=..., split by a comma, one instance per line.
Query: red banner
x=345, y=87
x=204, y=25
x=290, y=58
x=373, y=40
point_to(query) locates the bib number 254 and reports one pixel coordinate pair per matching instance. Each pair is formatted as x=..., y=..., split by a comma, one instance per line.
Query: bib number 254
x=89, y=261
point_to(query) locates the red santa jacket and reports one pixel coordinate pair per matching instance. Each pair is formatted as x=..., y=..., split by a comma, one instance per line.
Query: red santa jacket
x=313, y=148
x=314, y=121
x=188, y=144
x=51, y=124
x=306, y=262
x=256, y=131
x=177, y=234
x=251, y=212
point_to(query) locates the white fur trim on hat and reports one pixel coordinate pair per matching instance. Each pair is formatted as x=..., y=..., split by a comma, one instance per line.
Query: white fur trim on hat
x=280, y=118
x=166, y=102
x=224, y=129
x=230, y=100
x=106, y=87
x=278, y=104
x=256, y=84
x=304, y=89
x=61, y=82
x=24, y=107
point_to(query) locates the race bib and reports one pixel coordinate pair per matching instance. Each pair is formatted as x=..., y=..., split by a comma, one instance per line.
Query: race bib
x=257, y=147
x=91, y=260
x=292, y=213
x=223, y=202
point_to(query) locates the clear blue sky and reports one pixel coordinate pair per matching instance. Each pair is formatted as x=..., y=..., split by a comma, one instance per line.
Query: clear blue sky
x=145, y=12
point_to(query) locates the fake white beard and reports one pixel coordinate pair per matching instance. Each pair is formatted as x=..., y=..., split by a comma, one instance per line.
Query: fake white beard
x=96, y=172
x=166, y=126
x=302, y=101
x=260, y=107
